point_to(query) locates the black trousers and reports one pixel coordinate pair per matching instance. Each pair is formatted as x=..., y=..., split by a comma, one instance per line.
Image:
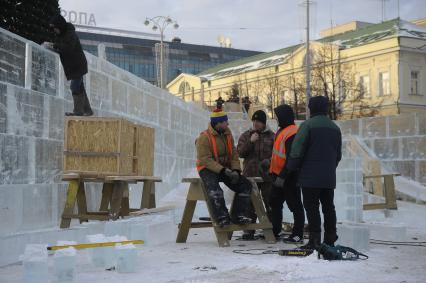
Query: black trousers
x=215, y=194
x=312, y=197
x=290, y=193
x=265, y=191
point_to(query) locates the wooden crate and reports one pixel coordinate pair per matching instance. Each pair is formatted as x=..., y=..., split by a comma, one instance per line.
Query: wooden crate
x=105, y=146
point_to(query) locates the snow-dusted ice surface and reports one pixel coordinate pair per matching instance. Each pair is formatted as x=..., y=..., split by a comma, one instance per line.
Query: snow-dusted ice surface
x=201, y=260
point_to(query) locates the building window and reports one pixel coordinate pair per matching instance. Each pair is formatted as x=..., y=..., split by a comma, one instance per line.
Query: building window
x=414, y=83
x=364, y=86
x=384, y=84
x=184, y=88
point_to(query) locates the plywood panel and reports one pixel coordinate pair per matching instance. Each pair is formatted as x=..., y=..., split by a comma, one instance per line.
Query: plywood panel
x=105, y=146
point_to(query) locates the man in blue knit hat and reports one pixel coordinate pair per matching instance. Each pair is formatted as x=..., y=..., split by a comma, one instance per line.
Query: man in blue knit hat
x=217, y=161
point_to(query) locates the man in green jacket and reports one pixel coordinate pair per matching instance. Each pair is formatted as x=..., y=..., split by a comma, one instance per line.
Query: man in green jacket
x=315, y=153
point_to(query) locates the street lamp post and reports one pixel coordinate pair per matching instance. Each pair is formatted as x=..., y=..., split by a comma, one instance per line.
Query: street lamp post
x=308, y=63
x=160, y=23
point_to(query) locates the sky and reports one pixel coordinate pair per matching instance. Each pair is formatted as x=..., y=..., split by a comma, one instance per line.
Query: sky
x=263, y=25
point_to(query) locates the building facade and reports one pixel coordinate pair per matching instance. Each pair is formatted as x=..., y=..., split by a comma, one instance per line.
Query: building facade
x=135, y=52
x=365, y=70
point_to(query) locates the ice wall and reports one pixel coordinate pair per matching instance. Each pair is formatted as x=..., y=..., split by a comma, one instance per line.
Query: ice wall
x=34, y=95
x=398, y=141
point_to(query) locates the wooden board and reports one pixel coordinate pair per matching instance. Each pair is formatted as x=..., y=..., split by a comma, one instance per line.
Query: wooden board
x=108, y=178
x=107, y=146
x=198, y=179
x=145, y=150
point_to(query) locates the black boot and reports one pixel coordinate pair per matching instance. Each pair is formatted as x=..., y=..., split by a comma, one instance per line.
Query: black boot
x=78, y=100
x=248, y=235
x=219, y=211
x=87, y=110
x=223, y=221
x=330, y=239
x=241, y=209
x=314, y=242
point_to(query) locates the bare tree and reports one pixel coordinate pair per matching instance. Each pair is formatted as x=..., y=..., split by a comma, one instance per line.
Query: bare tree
x=294, y=84
x=360, y=102
x=328, y=77
x=234, y=95
x=274, y=90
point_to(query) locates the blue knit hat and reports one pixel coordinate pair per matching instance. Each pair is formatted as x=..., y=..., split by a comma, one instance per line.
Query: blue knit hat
x=218, y=115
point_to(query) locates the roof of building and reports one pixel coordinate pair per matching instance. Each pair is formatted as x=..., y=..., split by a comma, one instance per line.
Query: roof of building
x=376, y=32
x=368, y=34
x=250, y=63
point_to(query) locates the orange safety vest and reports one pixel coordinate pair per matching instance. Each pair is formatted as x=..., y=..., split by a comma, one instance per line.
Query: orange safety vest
x=213, y=146
x=279, y=152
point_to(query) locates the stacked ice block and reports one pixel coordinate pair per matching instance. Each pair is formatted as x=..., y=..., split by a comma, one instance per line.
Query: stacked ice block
x=35, y=267
x=34, y=96
x=348, y=196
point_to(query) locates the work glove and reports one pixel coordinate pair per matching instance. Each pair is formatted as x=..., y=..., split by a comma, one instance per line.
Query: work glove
x=233, y=175
x=279, y=182
x=48, y=45
x=264, y=166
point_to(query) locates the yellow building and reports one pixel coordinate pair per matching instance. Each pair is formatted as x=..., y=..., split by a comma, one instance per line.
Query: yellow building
x=365, y=70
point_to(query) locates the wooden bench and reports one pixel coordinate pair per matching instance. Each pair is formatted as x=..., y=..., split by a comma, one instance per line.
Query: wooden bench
x=115, y=196
x=197, y=192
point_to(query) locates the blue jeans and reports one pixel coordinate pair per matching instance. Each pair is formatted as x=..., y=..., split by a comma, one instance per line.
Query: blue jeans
x=76, y=85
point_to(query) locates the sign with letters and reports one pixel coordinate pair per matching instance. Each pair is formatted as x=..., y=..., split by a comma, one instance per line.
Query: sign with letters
x=79, y=18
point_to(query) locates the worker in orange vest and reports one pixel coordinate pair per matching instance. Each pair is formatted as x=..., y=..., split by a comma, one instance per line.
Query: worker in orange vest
x=217, y=161
x=284, y=187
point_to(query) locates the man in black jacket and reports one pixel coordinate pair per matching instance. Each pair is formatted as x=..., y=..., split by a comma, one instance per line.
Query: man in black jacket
x=67, y=44
x=316, y=152
x=285, y=187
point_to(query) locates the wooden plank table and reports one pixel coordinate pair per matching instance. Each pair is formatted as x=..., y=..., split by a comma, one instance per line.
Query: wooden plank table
x=115, y=196
x=197, y=192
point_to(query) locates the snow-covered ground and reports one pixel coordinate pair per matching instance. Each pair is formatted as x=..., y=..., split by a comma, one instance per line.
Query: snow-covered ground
x=201, y=260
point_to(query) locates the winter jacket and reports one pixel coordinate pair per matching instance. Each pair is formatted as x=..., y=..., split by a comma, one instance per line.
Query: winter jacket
x=285, y=117
x=317, y=148
x=254, y=153
x=205, y=155
x=69, y=48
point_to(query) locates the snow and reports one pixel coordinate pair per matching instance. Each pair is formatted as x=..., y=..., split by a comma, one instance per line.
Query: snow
x=253, y=65
x=409, y=29
x=411, y=188
x=201, y=260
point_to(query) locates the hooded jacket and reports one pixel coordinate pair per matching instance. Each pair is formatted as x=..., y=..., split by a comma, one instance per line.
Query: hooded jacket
x=285, y=117
x=69, y=48
x=317, y=148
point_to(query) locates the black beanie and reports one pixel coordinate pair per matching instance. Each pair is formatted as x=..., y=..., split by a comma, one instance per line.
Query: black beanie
x=260, y=116
x=318, y=105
